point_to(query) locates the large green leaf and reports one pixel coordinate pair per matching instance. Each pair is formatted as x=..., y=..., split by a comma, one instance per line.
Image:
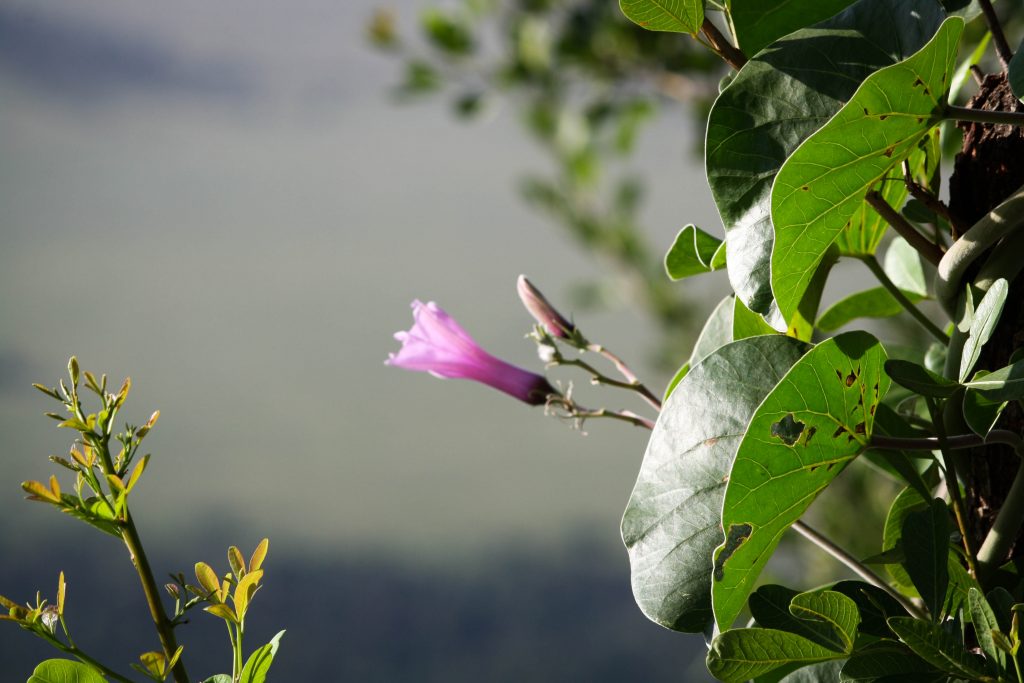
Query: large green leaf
x=780, y=97
x=673, y=520
x=784, y=609
x=823, y=183
x=937, y=647
x=818, y=418
x=759, y=23
x=888, y=660
x=679, y=16
x=65, y=671
x=925, y=542
x=871, y=303
x=743, y=653
x=985, y=622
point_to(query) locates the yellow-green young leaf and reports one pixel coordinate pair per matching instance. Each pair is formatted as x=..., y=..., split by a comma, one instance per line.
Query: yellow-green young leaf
x=7, y=602
x=174, y=658
x=258, y=555
x=692, y=253
x=38, y=491
x=208, y=579
x=245, y=590
x=824, y=182
x=54, y=487
x=236, y=561
x=678, y=16
x=255, y=669
x=153, y=661
x=61, y=589
x=116, y=483
x=64, y=671
x=223, y=611
x=818, y=418
x=140, y=467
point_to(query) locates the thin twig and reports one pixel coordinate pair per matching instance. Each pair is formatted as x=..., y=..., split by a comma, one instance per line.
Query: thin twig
x=632, y=383
x=922, y=244
x=872, y=263
x=953, y=485
x=732, y=55
x=998, y=37
x=953, y=443
x=931, y=201
x=855, y=565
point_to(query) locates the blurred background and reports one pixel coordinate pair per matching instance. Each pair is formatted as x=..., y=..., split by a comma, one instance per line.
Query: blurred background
x=235, y=203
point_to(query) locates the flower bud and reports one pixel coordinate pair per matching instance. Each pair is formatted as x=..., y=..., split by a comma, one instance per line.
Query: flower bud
x=542, y=310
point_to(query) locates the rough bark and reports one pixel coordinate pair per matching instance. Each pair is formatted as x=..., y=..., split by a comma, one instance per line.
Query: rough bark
x=989, y=169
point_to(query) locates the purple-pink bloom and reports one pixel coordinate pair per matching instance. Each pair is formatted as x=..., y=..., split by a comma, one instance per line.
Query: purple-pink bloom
x=438, y=345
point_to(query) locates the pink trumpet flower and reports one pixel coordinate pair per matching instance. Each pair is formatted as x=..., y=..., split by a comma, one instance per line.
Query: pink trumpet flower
x=438, y=345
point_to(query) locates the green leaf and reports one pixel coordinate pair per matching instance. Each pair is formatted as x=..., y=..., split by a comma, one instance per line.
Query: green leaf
x=925, y=541
x=1016, y=72
x=678, y=16
x=770, y=606
x=65, y=671
x=871, y=303
x=672, y=522
x=888, y=660
x=903, y=266
x=983, y=324
x=984, y=620
x=447, y=32
x=823, y=183
x=818, y=418
x=1005, y=384
x=937, y=647
x=1002, y=603
x=219, y=678
x=832, y=613
x=780, y=97
x=740, y=654
x=692, y=253
x=874, y=604
x=746, y=323
x=822, y=672
x=919, y=379
x=980, y=412
x=717, y=332
x=906, y=501
x=759, y=23
x=255, y=670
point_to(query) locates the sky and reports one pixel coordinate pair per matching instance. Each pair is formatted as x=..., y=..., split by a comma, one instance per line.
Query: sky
x=222, y=201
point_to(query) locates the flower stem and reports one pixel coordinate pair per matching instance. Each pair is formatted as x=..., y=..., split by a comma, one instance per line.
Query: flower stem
x=1008, y=118
x=854, y=565
x=632, y=383
x=876, y=268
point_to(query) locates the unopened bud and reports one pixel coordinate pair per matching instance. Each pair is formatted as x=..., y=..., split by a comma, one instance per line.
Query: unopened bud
x=542, y=310
x=173, y=590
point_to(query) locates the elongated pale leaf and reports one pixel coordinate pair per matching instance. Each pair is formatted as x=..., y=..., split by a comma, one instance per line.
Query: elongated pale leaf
x=925, y=542
x=903, y=266
x=984, y=620
x=1005, y=384
x=817, y=419
x=980, y=412
x=692, y=253
x=744, y=653
x=871, y=303
x=937, y=647
x=824, y=182
x=679, y=16
x=64, y=671
x=780, y=97
x=888, y=660
x=759, y=23
x=983, y=324
x=673, y=520
x=255, y=669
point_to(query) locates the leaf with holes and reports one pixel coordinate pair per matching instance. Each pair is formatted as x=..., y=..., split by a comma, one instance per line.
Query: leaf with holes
x=780, y=97
x=823, y=183
x=818, y=418
x=678, y=16
x=673, y=520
